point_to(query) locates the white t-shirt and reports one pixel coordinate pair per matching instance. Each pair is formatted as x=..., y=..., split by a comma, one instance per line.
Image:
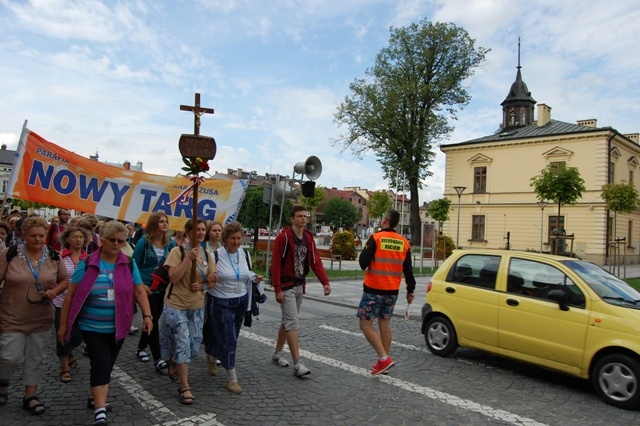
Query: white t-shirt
x=234, y=275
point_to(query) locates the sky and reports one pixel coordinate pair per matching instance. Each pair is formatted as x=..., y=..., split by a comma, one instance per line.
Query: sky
x=110, y=76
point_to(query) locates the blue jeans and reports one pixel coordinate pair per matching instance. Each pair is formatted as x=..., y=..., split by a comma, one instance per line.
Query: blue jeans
x=225, y=320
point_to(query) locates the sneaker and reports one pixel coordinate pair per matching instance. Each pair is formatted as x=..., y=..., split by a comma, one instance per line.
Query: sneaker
x=278, y=358
x=133, y=330
x=382, y=366
x=300, y=370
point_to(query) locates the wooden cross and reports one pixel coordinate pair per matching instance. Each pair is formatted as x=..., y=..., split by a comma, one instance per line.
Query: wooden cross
x=197, y=113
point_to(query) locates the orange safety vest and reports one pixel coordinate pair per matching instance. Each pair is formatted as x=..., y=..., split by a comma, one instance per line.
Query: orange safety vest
x=385, y=270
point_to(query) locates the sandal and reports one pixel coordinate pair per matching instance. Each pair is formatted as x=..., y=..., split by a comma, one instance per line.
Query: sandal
x=184, y=399
x=65, y=377
x=33, y=405
x=142, y=355
x=175, y=376
x=93, y=407
x=73, y=362
x=160, y=365
x=100, y=417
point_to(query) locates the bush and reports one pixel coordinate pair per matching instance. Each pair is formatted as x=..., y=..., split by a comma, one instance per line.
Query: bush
x=344, y=244
x=444, y=246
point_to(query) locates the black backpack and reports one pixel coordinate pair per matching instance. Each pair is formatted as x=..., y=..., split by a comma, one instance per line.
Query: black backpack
x=13, y=251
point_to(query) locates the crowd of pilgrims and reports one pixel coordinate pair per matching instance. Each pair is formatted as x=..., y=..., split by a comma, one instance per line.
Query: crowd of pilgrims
x=75, y=273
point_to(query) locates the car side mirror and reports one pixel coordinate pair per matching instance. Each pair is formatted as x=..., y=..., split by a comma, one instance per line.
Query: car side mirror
x=561, y=297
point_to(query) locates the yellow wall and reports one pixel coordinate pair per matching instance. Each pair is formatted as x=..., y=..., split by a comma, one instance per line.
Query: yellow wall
x=510, y=204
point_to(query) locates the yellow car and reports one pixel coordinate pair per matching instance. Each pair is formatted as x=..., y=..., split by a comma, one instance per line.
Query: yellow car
x=556, y=312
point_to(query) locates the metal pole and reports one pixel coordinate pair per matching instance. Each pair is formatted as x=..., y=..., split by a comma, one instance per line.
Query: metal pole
x=422, y=247
x=433, y=245
x=402, y=208
x=459, y=190
x=458, y=226
x=542, y=205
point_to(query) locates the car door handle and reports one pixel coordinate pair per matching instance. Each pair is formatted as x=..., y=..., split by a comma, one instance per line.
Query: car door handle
x=450, y=289
x=512, y=302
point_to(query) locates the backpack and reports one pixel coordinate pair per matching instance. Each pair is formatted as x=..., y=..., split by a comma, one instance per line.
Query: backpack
x=246, y=255
x=13, y=251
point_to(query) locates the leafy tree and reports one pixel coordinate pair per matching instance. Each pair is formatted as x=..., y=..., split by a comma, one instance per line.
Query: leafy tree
x=312, y=203
x=378, y=204
x=620, y=197
x=254, y=213
x=402, y=109
x=341, y=212
x=24, y=204
x=559, y=183
x=439, y=209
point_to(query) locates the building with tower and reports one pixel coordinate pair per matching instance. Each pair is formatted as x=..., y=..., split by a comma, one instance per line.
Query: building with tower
x=498, y=207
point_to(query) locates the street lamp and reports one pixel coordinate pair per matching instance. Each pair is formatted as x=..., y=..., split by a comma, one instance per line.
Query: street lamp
x=542, y=205
x=459, y=190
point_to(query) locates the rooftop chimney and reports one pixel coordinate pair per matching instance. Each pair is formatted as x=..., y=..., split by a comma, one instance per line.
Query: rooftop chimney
x=633, y=136
x=588, y=123
x=544, y=114
x=126, y=165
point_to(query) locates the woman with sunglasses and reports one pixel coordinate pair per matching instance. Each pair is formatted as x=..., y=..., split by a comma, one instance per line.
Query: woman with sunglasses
x=150, y=251
x=33, y=277
x=182, y=315
x=103, y=284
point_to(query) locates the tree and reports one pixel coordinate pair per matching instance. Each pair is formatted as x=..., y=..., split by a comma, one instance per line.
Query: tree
x=620, y=197
x=254, y=213
x=559, y=183
x=339, y=212
x=439, y=209
x=312, y=203
x=403, y=108
x=378, y=204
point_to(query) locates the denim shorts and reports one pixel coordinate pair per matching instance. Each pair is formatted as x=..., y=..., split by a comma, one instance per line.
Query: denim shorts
x=376, y=306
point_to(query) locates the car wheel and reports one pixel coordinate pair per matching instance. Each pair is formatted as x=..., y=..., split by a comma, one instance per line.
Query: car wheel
x=441, y=336
x=616, y=379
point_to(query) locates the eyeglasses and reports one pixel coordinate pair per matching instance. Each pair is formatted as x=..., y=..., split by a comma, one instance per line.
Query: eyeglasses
x=115, y=240
x=31, y=301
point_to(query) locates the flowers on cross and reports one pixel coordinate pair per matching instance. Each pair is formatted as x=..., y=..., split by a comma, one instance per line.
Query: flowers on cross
x=195, y=165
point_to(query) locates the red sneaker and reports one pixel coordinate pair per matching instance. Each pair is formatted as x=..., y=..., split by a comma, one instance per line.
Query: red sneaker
x=382, y=366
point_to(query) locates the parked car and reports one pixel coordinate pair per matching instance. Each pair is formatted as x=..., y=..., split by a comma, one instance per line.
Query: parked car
x=555, y=312
x=263, y=232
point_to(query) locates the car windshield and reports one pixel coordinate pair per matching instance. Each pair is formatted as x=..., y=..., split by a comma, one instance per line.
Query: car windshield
x=610, y=288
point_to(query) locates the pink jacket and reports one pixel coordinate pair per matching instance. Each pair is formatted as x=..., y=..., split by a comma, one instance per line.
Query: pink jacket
x=123, y=290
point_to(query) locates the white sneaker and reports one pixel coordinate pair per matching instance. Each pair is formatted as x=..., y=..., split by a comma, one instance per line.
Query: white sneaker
x=300, y=370
x=278, y=358
x=133, y=330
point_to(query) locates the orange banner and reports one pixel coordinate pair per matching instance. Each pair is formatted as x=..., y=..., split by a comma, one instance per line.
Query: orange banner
x=47, y=173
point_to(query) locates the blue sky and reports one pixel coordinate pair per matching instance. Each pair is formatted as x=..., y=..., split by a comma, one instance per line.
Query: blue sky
x=109, y=76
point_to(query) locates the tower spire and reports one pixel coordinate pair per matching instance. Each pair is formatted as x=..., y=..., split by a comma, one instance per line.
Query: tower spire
x=517, y=108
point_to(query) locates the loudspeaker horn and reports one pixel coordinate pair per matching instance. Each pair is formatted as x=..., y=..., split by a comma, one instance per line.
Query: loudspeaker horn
x=312, y=167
